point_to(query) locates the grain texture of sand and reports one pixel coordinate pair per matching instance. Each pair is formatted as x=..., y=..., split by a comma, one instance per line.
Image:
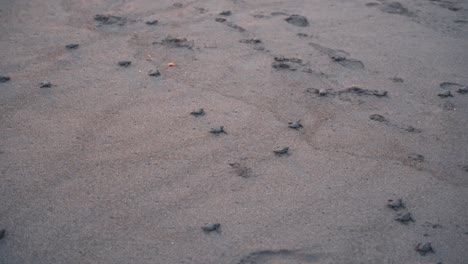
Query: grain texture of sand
x=320, y=111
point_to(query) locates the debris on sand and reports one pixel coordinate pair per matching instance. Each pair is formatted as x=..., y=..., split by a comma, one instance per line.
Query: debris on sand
x=211, y=227
x=124, y=63
x=445, y=94
x=4, y=78
x=171, y=64
x=72, y=46
x=463, y=90
x=297, y=20
x=152, y=22
x=110, y=20
x=404, y=218
x=198, y=112
x=378, y=118
x=220, y=19
x=2, y=233
x=361, y=91
x=176, y=42
x=218, y=130
x=281, y=151
x=395, y=204
x=295, y=125
x=225, y=13
x=45, y=84
x=424, y=248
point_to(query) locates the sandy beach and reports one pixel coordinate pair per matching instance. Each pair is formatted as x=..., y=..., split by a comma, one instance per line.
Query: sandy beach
x=234, y=131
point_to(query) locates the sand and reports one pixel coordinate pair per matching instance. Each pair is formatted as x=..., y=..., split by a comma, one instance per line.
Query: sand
x=107, y=165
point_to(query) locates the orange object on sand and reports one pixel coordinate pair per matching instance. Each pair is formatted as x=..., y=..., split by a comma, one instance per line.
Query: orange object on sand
x=171, y=64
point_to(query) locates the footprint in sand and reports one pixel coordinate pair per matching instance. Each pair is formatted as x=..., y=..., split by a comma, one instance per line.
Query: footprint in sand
x=339, y=56
x=450, y=85
x=280, y=257
x=394, y=8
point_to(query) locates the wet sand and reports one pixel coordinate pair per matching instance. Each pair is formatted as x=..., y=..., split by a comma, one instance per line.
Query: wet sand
x=106, y=164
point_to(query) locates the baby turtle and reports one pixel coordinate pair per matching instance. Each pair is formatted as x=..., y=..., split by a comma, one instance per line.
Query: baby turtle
x=338, y=58
x=124, y=63
x=152, y=22
x=404, y=218
x=281, y=151
x=377, y=117
x=463, y=90
x=412, y=129
x=4, y=78
x=2, y=233
x=154, y=73
x=396, y=204
x=218, y=130
x=220, y=19
x=198, y=112
x=225, y=13
x=322, y=92
x=211, y=227
x=416, y=157
x=445, y=94
x=424, y=248
x=72, y=46
x=295, y=125
x=45, y=84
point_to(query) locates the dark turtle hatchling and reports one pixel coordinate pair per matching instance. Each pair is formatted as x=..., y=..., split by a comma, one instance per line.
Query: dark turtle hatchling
x=281, y=151
x=218, y=130
x=295, y=125
x=198, y=112
x=211, y=227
